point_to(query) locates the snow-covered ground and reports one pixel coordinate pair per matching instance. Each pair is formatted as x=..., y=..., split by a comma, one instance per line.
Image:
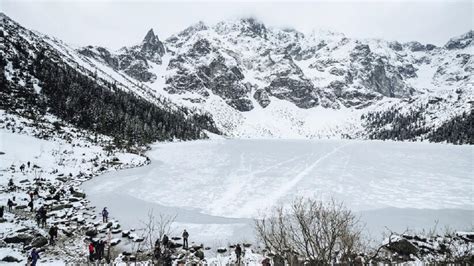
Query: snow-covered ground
x=216, y=187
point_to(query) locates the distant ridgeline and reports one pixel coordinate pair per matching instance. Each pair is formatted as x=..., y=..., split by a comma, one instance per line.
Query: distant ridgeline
x=243, y=79
x=39, y=80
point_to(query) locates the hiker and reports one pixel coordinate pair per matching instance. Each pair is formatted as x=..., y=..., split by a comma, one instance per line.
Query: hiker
x=57, y=196
x=31, y=205
x=31, y=195
x=100, y=249
x=34, y=257
x=266, y=262
x=165, y=241
x=28, y=163
x=53, y=234
x=200, y=254
x=43, y=216
x=11, y=185
x=38, y=217
x=10, y=205
x=91, y=251
x=22, y=168
x=105, y=215
x=157, y=250
x=2, y=210
x=238, y=253
x=185, y=239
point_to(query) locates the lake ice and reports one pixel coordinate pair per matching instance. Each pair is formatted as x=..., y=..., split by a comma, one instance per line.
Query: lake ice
x=216, y=187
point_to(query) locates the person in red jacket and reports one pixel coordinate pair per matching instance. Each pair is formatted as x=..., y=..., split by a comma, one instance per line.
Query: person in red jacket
x=91, y=251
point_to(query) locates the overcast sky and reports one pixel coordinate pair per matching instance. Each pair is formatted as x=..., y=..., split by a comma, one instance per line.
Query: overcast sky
x=115, y=24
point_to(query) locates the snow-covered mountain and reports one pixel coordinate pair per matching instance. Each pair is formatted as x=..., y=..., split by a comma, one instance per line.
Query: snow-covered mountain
x=257, y=81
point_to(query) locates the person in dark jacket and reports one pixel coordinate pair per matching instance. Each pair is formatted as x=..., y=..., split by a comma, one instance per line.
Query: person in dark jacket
x=2, y=210
x=185, y=238
x=238, y=253
x=165, y=241
x=10, y=204
x=100, y=246
x=105, y=215
x=53, y=234
x=31, y=205
x=43, y=216
x=157, y=250
x=34, y=257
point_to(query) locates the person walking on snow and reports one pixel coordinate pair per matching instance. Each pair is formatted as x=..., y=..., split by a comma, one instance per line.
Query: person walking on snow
x=105, y=215
x=238, y=253
x=185, y=239
x=34, y=257
x=43, y=216
x=31, y=205
x=165, y=241
x=53, y=234
x=22, y=168
x=91, y=251
x=10, y=205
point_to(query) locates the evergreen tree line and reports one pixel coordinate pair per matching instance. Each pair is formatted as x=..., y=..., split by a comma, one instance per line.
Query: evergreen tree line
x=91, y=103
x=394, y=125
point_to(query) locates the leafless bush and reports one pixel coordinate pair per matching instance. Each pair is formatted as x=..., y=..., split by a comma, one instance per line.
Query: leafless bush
x=318, y=231
x=154, y=228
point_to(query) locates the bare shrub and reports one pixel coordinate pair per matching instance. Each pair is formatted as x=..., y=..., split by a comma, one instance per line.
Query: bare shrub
x=316, y=231
x=154, y=228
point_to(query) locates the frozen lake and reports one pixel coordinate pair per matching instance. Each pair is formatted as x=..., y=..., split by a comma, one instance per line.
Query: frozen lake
x=216, y=187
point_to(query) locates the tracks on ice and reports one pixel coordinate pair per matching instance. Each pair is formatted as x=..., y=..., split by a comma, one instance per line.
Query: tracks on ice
x=272, y=198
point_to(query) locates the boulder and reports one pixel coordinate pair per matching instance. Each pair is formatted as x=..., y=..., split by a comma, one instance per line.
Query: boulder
x=9, y=258
x=39, y=241
x=91, y=232
x=115, y=241
x=125, y=233
x=18, y=238
x=78, y=194
x=61, y=206
x=403, y=246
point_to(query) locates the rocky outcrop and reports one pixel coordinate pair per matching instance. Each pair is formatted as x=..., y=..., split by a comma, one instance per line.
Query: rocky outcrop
x=460, y=42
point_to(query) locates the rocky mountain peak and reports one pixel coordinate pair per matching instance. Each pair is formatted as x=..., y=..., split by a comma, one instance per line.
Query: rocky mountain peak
x=253, y=27
x=151, y=38
x=152, y=47
x=461, y=41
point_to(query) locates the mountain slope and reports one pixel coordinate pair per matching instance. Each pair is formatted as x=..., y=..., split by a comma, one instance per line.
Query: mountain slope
x=257, y=81
x=37, y=78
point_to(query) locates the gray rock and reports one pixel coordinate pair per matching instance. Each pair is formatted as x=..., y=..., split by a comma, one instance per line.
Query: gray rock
x=9, y=258
x=91, y=232
x=298, y=91
x=61, y=206
x=78, y=194
x=39, y=241
x=262, y=97
x=18, y=238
